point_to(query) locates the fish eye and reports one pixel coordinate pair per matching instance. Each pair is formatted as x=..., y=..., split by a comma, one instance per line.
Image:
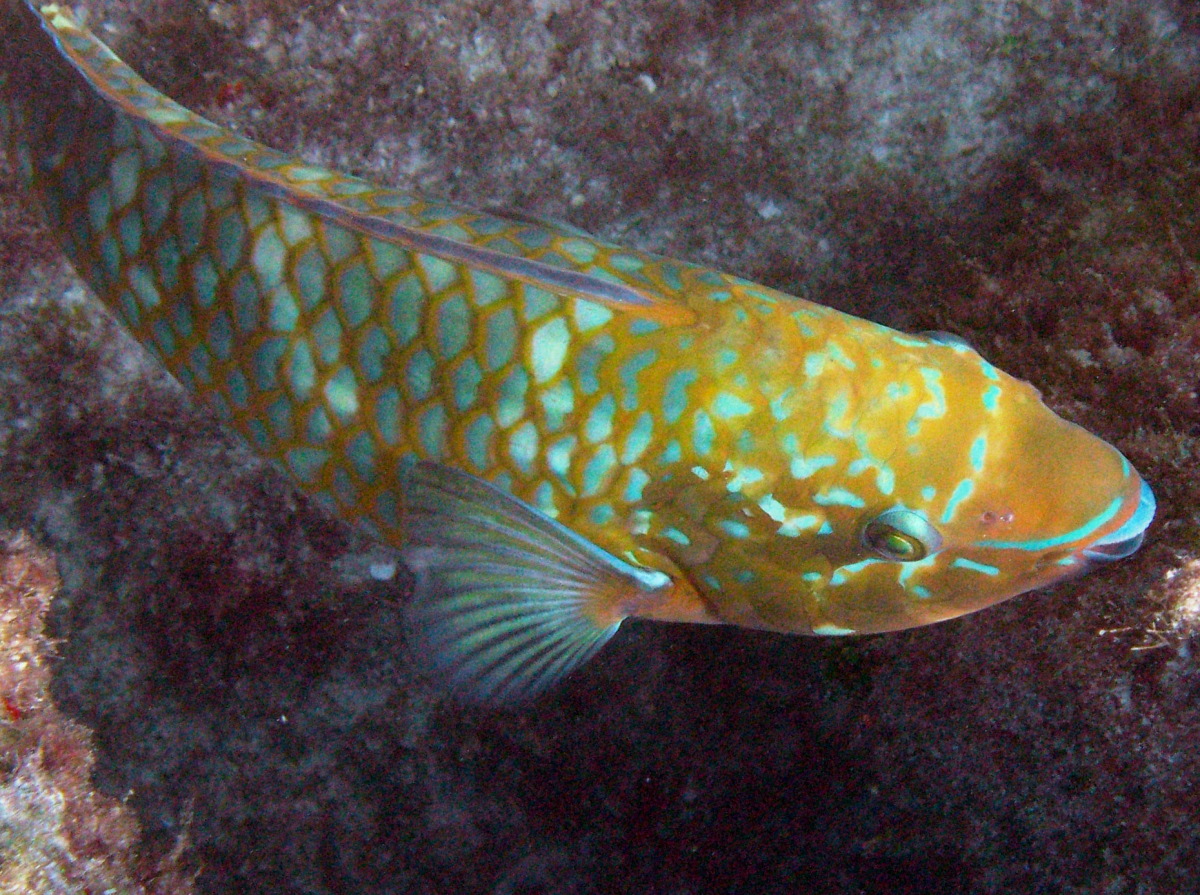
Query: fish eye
x=901, y=535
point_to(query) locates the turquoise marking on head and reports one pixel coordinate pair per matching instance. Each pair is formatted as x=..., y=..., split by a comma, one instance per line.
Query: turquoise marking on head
x=726, y=357
x=797, y=525
x=978, y=451
x=804, y=467
x=735, y=529
x=772, y=507
x=727, y=406
x=961, y=492
x=780, y=410
x=843, y=574
x=839, y=357
x=838, y=422
x=934, y=407
x=837, y=496
x=971, y=565
x=745, y=475
x=1101, y=519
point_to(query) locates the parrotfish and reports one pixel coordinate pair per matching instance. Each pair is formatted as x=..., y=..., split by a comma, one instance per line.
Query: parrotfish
x=558, y=433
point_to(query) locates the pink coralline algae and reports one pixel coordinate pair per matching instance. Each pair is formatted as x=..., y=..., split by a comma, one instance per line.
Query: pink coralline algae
x=59, y=834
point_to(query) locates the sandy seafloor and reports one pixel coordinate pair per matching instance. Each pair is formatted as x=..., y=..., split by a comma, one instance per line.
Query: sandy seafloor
x=1021, y=173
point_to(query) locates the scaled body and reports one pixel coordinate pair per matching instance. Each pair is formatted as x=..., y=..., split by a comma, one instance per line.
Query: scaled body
x=661, y=440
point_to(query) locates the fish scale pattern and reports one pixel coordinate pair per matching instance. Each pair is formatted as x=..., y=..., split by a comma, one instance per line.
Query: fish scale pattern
x=776, y=456
x=334, y=352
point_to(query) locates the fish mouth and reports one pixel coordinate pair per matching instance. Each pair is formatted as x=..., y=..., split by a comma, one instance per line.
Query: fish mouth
x=1125, y=540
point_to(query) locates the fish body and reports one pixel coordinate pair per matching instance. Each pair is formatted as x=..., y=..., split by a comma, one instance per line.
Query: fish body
x=560, y=432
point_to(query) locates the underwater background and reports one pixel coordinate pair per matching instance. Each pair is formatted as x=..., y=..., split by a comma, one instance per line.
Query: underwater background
x=1023, y=174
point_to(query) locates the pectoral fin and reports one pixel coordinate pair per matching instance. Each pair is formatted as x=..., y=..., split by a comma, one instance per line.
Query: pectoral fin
x=508, y=601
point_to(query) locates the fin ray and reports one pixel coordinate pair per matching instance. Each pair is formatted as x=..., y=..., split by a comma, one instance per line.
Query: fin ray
x=508, y=601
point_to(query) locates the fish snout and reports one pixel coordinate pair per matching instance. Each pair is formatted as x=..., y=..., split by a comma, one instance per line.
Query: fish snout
x=1126, y=539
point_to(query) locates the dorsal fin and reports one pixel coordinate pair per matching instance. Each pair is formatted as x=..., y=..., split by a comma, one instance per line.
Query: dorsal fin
x=302, y=186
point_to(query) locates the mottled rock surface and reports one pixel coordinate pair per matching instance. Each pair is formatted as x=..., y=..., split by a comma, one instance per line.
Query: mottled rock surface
x=58, y=836
x=1022, y=173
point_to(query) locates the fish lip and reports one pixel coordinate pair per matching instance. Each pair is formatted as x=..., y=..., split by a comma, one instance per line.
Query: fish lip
x=1124, y=541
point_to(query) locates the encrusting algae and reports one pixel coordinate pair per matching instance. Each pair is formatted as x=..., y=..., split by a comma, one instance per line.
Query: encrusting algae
x=559, y=432
x=57, y=834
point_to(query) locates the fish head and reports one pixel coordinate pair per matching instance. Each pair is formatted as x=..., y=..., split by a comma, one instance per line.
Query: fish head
x=995, y=504
x=928, y=514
